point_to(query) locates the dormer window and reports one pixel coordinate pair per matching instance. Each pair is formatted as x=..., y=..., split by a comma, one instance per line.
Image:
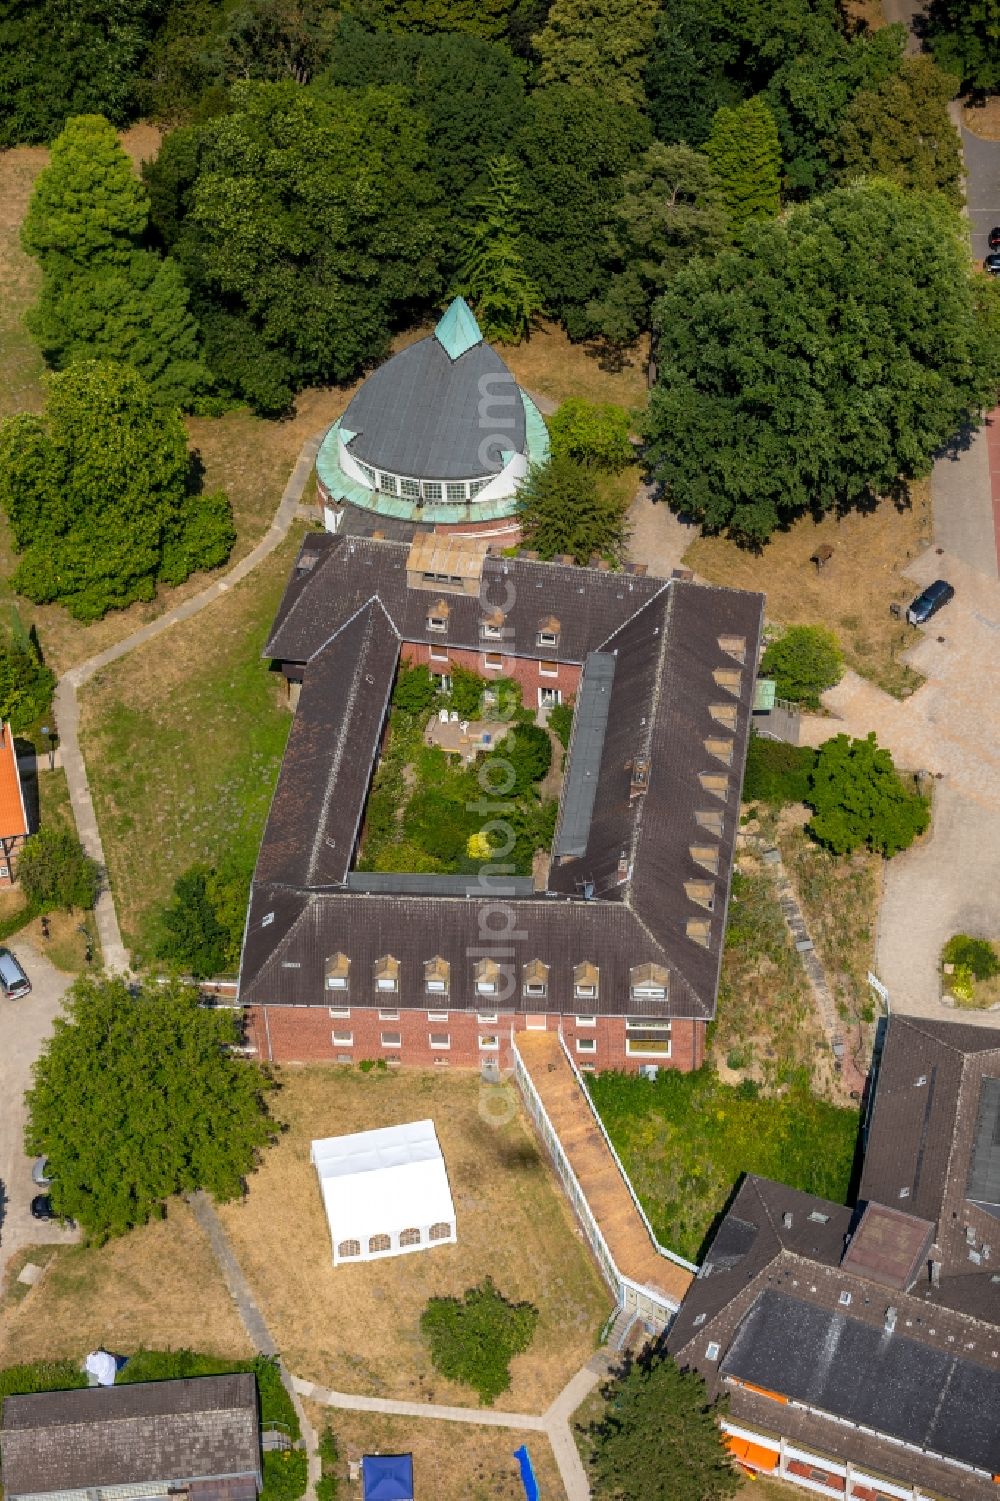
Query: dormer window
x=702, y=892
x=715, y=782
x=437, y=974
x=648, y=982
x=710, y=821
x=338, y=970
x=492, y=625
x=728, y=678
x=487, y=977
x=535, y=979
x=387, y=975
x=699, y=931
x=734, y=646
x=437, y=616
x=586, y=979
x=548, y=632
x=724, y=714
x=721, y=749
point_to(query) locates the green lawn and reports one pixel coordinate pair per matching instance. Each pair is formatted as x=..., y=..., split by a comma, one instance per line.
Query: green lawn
x=685, y=1139
x=183, y=740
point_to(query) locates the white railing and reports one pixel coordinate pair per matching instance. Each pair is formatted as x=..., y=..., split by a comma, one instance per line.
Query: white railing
x=665, y=1251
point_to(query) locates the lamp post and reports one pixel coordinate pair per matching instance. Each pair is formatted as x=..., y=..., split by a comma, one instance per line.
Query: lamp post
x=51, y=738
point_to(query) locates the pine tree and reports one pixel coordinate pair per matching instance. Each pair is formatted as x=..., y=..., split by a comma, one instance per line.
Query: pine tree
x=494, y=278
x=104, y=296
x=745, y=153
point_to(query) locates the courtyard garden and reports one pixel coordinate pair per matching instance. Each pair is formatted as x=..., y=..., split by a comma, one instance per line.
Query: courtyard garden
x=970, y=972
x=358, y=1327
x=425, y=808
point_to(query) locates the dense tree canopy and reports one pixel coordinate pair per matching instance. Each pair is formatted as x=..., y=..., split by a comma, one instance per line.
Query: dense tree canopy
x=601, y=44
x=745, y=157
x=54, y=871
x=306, y=225
x=657, y=1438
x=858, y=799
x=902, y=131
x=491, y=265
x=202, y=924
x=99, y=494
x=136, y=1099
x=832, y=355
x=26, y=684
x=104, y=296
x=564, y=510
x=965, y=39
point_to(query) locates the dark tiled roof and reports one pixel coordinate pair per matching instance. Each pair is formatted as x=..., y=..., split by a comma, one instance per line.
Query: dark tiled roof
x=889, y=1247
x=662, y=692
x=423, y=414
x=832, y=1361
x=130, y=1435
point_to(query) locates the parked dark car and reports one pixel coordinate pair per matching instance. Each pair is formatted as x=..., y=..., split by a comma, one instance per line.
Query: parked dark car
x=41, y=1208
x=994, y=237
x=930, y=601
x=40, y=1172
x=992, y=263
x=13, y=981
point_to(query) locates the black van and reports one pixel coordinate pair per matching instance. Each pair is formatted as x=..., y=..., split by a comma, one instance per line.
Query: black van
x=13, y=981
x=927, y=604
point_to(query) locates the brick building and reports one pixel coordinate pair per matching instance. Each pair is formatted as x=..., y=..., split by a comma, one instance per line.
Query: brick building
x=620, y=945
x=860, y=1348
x=15, y=824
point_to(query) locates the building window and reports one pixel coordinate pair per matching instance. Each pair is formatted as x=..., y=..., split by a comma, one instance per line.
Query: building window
x=433, y=489
x=493, y=632
x=391, y=1040
x=379, y=1243
x=585, y=992
x=586, y=1044
x=486, y=987
x=409, y=1237
x=586, y=1021
x=439, y=654
x=340, y=1013
x=713, y=1351
x=343, y=1039
x=388, y=1016
x=437, y=986
x=440, y=1041
x=456, y=491
x=548, y=698
x=368, y=474
x=336, y=982
x=647, y=1037
x=349, y=1248
x=387, y=484
x=493, y=660
x=437, y=1016
x=437, y=623
x=437, y=973
x=489, y=1041
x=548, y=638
x=439, y=1231
x=536, y=1023
x=444, y=682
x=409, y=489
x=844, y=1300
x=386, y=983
x=485, y=1018
x=535, y=988
x=548, y=669
x=476, y=485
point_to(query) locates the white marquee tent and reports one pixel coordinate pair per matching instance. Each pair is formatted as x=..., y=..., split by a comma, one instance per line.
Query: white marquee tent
x=385, y=1192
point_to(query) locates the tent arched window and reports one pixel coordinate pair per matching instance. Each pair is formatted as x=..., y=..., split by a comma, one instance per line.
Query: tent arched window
x=379, y=1243
x=440, y=1231
x=409, y=1237
x=349, y=1248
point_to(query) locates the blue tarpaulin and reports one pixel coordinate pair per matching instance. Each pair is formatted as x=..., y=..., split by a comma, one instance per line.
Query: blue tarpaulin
x=387, y=1477
x=527, y=1473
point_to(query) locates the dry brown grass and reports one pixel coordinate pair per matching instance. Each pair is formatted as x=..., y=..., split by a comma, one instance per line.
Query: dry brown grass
x=451, y=1461
x=983, y=119
x=864, y=14
x=356, y=1328
x=157, y=1287
x=548, y=364
x=851, y=594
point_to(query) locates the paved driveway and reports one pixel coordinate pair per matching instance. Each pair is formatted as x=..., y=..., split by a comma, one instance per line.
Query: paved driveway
x=24, y=1026
x=982, y=167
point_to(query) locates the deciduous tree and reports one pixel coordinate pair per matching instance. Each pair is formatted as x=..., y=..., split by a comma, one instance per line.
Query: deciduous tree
x=858, y=799
x=811, y=369
x=26, y=684
x=597, y=433
x=54, y=870
x=965, y=39
x=658, y=1437
x=601, y=44
x=564, y=510
x=804, y=662
x=902, y=131
x=136, y=1098
x=745, y=156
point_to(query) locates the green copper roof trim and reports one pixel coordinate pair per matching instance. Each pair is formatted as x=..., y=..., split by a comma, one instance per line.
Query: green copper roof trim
x=536, y=434
x=346, y=434
x=764, y=695
x=458, y=332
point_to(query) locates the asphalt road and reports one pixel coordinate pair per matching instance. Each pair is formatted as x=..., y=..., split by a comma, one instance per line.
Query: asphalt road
x=982, y=161
x=24, y=1026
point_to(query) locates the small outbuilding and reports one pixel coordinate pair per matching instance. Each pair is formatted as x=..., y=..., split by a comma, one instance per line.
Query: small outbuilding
x=385, y=1192
x=387, y=1477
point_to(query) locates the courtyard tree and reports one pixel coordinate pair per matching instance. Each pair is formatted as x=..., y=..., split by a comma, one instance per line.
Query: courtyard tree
x=474, y=1338
x=492, y=271
x=902, y=131
x=104, y=294
x=137, y=1098
x=601, y=44
x=564, y=510
x=597, y=433
x=202, y=925
x=804, y=661
x=100, y=496
x=809, y=370
x=745, y=155
x=26, y=684
x=658, y=1438
x=858, y=799
x=965, y=39
x=55, y=871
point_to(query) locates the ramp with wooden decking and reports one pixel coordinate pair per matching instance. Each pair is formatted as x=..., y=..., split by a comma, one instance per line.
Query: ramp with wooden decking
x=596, y=1170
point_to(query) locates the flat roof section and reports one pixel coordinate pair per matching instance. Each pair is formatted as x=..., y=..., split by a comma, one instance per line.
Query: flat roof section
x=984, y=1168
x=590, y=724
x=416, y=883
x=888, y=1246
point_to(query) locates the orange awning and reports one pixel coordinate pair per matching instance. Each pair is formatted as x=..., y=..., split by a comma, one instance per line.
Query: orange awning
x=754, y=1455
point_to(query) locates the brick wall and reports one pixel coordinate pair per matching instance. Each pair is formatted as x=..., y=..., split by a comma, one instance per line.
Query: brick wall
x=305, y=1034
x=527, y=672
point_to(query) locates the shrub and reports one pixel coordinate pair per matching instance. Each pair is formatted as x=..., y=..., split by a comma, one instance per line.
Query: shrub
x=466, y=692
x=777, y=773
x=858, y=799
x=39, y=1376
x=976, y=954
x=415, y=689
x=54, y=871
x=474, y=1338
x=804, y=662
x=528, y=749
x=592, y=433
x=561, y=723
x=26, y=684
x=962, y=983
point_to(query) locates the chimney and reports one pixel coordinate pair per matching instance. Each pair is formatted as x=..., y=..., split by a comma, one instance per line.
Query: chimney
x=639, y=779
x=890, y=1319
x=935, y=1274
x=786, y=1219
